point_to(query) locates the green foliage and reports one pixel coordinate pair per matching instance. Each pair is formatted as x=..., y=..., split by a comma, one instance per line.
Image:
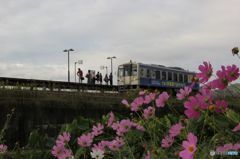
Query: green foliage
x=233, y=116
x=6, y=125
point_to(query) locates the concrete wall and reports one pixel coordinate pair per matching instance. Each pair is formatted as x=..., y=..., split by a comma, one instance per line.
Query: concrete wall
x=48, y=110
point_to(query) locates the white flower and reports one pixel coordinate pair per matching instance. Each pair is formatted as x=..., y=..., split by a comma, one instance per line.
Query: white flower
x=71, y=157
x=97, y=154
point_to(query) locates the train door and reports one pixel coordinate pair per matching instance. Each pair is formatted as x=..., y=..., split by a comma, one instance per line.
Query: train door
x=128, y=75
x=121, y=79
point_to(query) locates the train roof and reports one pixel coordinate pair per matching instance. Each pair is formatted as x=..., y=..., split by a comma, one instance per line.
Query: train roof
x=178, y=69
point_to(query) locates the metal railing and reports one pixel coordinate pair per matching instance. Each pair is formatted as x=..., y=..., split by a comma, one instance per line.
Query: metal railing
x=47, y=85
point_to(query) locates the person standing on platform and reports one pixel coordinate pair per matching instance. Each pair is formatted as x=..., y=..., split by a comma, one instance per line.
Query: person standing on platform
x=93, y=78
x=80, y=75
x=88, y=76
x=111, y=78
x=106, y=79
x=100, y=78
x=97, y=77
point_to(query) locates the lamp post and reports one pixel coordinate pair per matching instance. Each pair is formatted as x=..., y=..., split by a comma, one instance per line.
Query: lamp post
x=75, y=72
x=68, y=51
x=111, y=58
x=111, y=74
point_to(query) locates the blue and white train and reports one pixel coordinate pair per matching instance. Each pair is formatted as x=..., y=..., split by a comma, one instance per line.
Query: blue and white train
x=139, y=75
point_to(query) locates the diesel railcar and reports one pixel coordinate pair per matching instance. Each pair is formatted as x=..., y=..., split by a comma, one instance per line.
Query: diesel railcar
x=140, y=75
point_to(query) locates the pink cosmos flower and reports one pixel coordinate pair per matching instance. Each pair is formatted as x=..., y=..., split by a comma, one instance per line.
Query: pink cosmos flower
x=100, y=146
x=3, y=148
x=221, y=106
x=111, y=119
x=137, y=102
x=206, y=72
x=190, y=146
x=85, y=140
x=232, y=73
x=122, y=127
x=175, y=130
x=63, y=138
x=115, y=126
x=194, y=105
x=167, y=141
x=207, y=94
x=148, y=156
x=141, y=93
x=116, y=144
x=193, y=108
x=225, y=148
x=138, y=127
x=120, y=141
x=150, y=97
x=147, y=99
x=148, y=112
x=228, y=147
x=183, y=93
x=203, y=100
x=162, y=99
x=97, y=130
x=125, y=102
x=236, y=146
x=237, y=128
x=60, y=152
x=222, y=81
x=221, y=149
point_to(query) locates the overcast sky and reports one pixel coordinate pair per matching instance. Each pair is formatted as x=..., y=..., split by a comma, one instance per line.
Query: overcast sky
x=183, y=33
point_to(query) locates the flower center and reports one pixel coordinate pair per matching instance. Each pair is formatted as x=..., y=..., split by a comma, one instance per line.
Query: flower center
x=209, y=73
x=211, y=107
x=126, y=127
x=225, y=81
x=191, y=148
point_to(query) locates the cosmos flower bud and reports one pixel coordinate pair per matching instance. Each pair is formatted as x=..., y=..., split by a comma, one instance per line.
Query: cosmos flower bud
x=235, y=51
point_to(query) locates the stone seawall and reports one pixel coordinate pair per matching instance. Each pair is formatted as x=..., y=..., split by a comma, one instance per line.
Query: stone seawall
x=47, y=110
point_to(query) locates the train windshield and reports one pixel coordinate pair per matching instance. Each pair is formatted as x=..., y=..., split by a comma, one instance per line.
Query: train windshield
x=120, y=71
x=127, y=70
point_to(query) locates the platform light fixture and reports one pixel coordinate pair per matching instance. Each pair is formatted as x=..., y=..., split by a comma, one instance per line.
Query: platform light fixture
x=68, y=51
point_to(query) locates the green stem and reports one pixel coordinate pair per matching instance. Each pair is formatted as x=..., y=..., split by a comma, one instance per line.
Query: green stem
x=130, y=150
x=6, y=124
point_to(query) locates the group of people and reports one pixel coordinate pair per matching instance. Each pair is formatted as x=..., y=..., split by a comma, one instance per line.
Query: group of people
x=93, y=78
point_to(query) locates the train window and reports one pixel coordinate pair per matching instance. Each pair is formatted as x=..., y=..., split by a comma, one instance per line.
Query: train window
x=153, y=74
x=190, y=77
x=164, y=75
x=148, y=73
x=120, y=72
x=158, y=77
x=134, y=70
x=185, y=78
x=127, y=70
x=175, y=77
x=142, y=73
x=180, y=78
x=169, y=76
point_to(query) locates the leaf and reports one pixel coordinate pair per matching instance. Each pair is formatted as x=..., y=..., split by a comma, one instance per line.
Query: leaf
x=80, y=152
x=167, y=122
x=232, y=115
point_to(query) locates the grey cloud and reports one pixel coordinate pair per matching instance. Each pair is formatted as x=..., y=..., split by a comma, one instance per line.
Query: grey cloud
x=181, y=33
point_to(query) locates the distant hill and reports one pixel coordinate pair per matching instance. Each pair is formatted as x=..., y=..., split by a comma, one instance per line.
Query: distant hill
x=232, y=90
